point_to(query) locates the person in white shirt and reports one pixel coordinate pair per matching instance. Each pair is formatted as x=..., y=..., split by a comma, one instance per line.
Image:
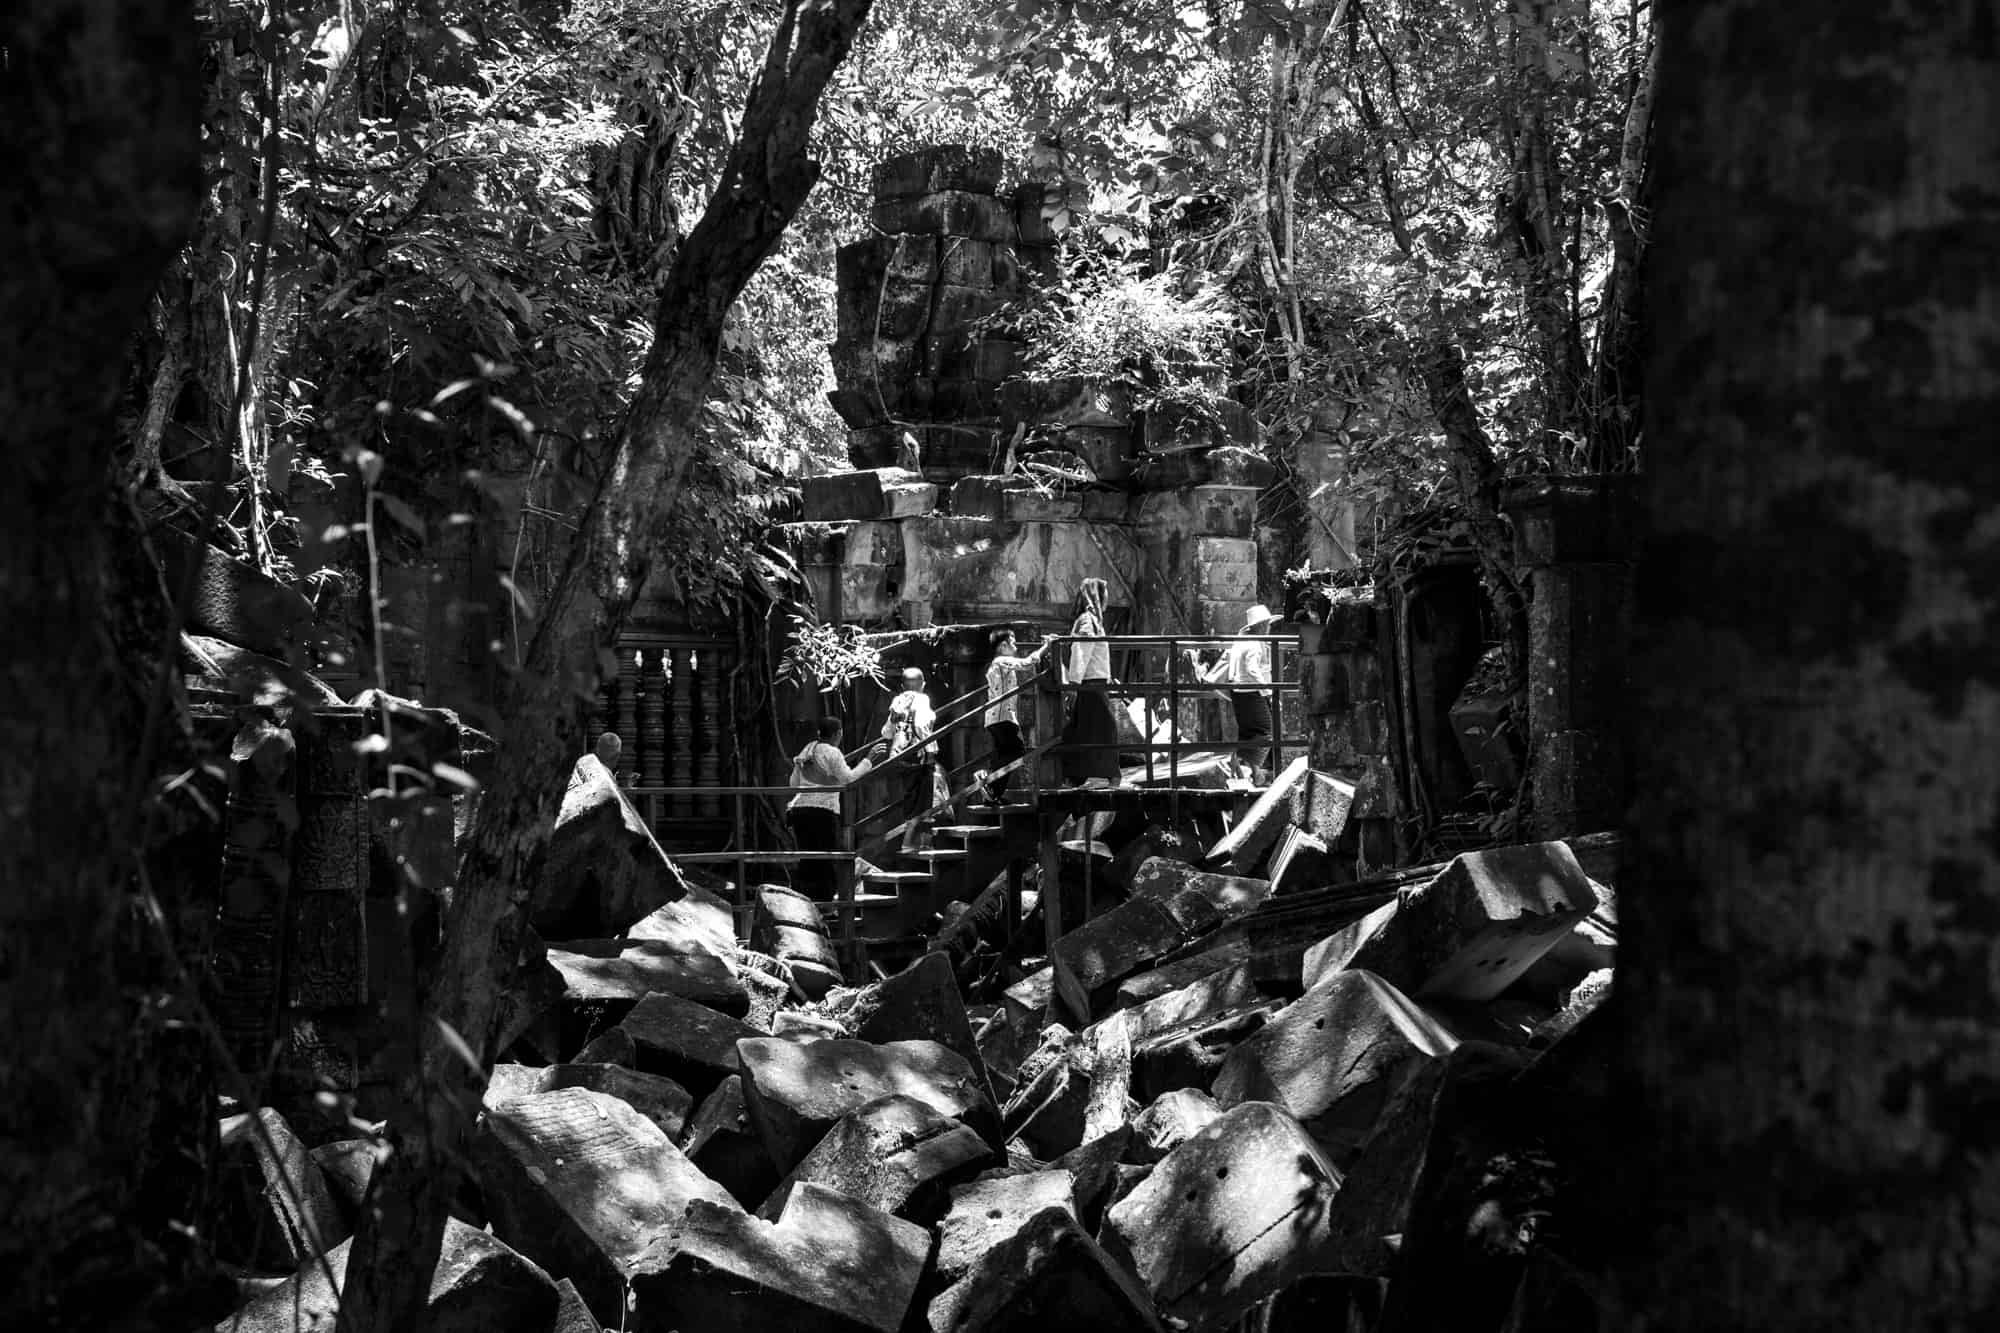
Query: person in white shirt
x=911, y=720
x=1004, y=716
x=1248, y=662
x=820, y=771
x=1090, y=739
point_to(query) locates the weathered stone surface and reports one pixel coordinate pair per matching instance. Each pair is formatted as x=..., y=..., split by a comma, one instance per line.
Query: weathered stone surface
x=1198, y=900
x=478, y=1286
x=1228, y=1217
x=510, y=1081
x=767, y=993
x=1108, y=948
x=1191, y=1054
x=1474, y=929
x=232, y=600
x=702, y=922
x=583, y=1184
x=603, y=870
x=277, y=1211
x=984, y=1213
x=572, y=1315
x=921, y=1002
x=604, y=979
x=1582, y=1001
x=1174, y=1118
x=795, y=1093
x=348, y=1165
x=613, y=1046
x=895, y=1154
x=946, y=213
x=1300, y=861
x=928, y=170
x=1335, y=1056
x=251, y=675
x=1337, y=950
x=1150, y=985
x=829, y=1265
x=721, y=1141
x=661, y=1100
x=882, y=493
x=687, y=1042
x=1052, y=1094
x=1093, y=1169
x=1048, y=1275
x=1218, y=991
x=1241, y=850
x=1228, y=465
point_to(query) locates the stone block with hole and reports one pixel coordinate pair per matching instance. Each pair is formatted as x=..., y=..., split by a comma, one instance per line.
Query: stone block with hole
x=984, y=1213
x=1228, y=1217
x=895, y=1154
x=1048, y=1274
x=829, y=1265
x=1172, y=1119
x=1475, y=928
x=795, y=1093
x=583, y=1184
x=1190, y=1054
x=1335, y=1056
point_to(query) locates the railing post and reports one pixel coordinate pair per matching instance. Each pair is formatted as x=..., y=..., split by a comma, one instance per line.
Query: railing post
x=742, y=904
x=1174, y=732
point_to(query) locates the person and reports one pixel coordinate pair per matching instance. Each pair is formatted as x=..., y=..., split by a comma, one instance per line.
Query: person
x=607, y=750
x=1247, y=662
x=910, y=723
x=814, y=814
x=1003, y=715
x=1090, y=753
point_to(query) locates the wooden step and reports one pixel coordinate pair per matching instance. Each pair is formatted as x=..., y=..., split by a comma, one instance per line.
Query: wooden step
x=897, y=878
x=968, y=831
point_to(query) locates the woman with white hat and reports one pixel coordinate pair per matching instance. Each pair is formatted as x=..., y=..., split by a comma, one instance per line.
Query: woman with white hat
x=1247, y=661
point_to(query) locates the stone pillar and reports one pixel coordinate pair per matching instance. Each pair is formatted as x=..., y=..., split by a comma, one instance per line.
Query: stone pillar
x=1341, y=677
x=1575, y=539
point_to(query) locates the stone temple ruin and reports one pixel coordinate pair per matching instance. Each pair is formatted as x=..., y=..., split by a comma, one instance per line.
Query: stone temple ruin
x=1248, y=1072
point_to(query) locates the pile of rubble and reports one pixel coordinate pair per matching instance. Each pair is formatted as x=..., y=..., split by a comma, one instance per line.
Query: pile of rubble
x=1168, y=1125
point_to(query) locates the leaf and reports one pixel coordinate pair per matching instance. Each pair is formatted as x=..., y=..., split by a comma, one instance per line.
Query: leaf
x=457, y=1046
x=451, y=775
x=452, y=390
x=515, y=416
x=402, y=513
x=373, y=743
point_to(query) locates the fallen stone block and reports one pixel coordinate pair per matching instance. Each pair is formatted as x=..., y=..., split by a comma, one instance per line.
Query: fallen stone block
x=1026, y=1002
x=276, y=1210
x=661, y=1100
x=1192, y=1054
x=1198, y=900
x=700, y=922
x=1228, y=1217
x=921, y=1002
x=795, y=1093
x=800, y=1023
x=572, y=1315
x=1334, y=1057
x=1047, y=1275
x=1108, y=948
x=1093, y=1170
x=1241, y=850
x=1150, y=985
x=1473, y=930
x=894, y=1154
x=1336, y=951
x=767, y=993
x=232, y=600
x=723, y=1143
x=1173, y=1119
x=1300, y=861
x=1213, y=993
x=882, y=493
x=1052, y=1094
x=583, y=1184
x=604, y=979
x=509, y=1082
x=1584, y=1000
x=529, y=1008
x=348, y=1165
x=1154, y=841
x=829, y=1265
x=603, y=870
x=478, y=1286
x=690, y=1043
x=985, y=1213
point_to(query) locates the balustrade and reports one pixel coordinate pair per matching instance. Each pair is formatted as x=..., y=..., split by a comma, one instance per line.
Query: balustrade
x=670, y=705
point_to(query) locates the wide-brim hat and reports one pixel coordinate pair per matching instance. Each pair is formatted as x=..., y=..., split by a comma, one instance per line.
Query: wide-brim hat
x=1259, y=615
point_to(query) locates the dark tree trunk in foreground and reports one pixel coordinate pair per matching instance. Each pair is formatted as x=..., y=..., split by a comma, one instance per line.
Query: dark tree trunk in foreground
x=98, y=114
x=1811, y=912
x=766, y=179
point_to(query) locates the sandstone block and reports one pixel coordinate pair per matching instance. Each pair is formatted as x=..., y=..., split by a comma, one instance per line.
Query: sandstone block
x=1228, y=1217
x=1337, y=950
x=1108, y=948
x=1213, y=993
x=721, y=1141
x=1052, y=1095
x=572, y=1315
x=1198, y=900
x=894, y=1154
x=1173, y=1119
x=232, y=600
x=1191, y=1054
x=348, y=1165
x=1145, y=986
x=1093, y=1167
x=881, y=493
x=1047, y=1275
x=1300, y=861
x=277, y=1211
x=829, y=1265
x=604, y=870
x=478, y=1286
x=1224, y=466
x=921, y=1002
x=945, y=213
x=1241, y=850
x=929, y=170
x=701, y=922
x=613, y=1046
x=661, y=1100
x=985, y=1213
x=604, y=979
x=583, y=1184
x=688, y=1042
x=1168, y=427
x=1335, y=1056
x=795, y=1093
x=1473, y=930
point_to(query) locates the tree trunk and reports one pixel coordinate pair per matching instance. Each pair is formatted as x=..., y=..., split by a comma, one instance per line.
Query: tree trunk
x=766, y=179
x=99, y=111
x=1811, y=978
